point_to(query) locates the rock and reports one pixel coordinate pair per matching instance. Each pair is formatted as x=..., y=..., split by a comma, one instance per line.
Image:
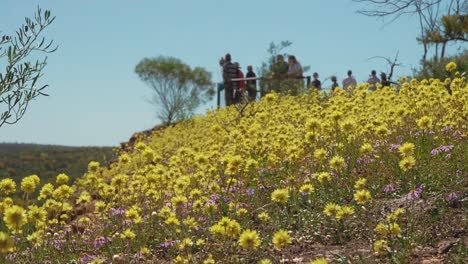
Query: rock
x=446, y=245
x=432, y=260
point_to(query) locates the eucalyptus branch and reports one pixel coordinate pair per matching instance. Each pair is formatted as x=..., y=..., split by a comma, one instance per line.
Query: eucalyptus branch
x=18, y=82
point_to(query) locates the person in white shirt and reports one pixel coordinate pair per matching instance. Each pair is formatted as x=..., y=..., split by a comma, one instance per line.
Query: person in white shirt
x=373, y=79
x=295, y=68
x=350, y=81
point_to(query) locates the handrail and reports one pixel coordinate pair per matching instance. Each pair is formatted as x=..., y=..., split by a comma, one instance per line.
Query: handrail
x=308, y=78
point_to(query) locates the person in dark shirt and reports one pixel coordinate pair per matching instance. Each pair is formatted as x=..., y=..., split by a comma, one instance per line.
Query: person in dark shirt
x=334, y=83
x=383, y=80
x=280, y=67
x=251, y=84
x=230, y=72
x=279, y=72
x=316, y=82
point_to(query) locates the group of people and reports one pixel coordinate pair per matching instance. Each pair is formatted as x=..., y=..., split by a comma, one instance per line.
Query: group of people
x=281, y=69
x=350, y=81
x=234, y=84
x=237, y=86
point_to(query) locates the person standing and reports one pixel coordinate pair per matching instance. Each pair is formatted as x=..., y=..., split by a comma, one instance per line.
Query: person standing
x=251, y=84
x=349, y=82
x=279, y=71
x=316, y=82
x=230, y=72
x=295, y=68
x=295, y=85
x=373, y=80
x=238, y=94
x=280, y=67
x=334, y=82
x=384, y=80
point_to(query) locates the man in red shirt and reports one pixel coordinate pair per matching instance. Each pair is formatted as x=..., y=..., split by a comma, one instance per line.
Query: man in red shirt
x=242, y=85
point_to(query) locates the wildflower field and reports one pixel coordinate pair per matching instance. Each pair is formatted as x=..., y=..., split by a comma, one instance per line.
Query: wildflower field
x=351, y=177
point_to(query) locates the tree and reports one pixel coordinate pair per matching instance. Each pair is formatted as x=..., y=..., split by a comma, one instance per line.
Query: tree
x=178, y=89
x=269, y=67
x=433, y=69
x=391, y=64
x=440, y=21
x=19, y=82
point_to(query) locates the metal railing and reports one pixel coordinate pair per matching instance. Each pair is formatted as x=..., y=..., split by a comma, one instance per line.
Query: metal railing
x=221, y=85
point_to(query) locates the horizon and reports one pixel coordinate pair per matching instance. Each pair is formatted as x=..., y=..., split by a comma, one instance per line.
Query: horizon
x=96, y=99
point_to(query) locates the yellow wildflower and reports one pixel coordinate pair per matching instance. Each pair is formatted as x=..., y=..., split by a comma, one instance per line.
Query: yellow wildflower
x=451, y=66
x=337, y=163
x=323, y=177
x=407, y=163
x=380, y=247
x=62, y=178
x=362, y=196
x=7, y=186
x=281, y=239
x=331, y=209
x=249, y=239
x=406, y=150
x=306, y=188
x=6, y=243
x=360, y=183
x=15, y=217
x=128, y=234
x=425, y=122
x=280, y=195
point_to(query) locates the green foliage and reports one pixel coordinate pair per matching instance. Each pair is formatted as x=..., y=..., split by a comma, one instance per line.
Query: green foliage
x=436, y=69
x=20, y=160
x=18, y=83
x=178, y=89
x=270, y=68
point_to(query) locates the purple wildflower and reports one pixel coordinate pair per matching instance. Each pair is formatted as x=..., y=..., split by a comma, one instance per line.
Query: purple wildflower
x=87, y=258
x=250, y=191
x=394, y=147
x=365, y=160
x=415, y=194
x=435, y=151
x=388, y=189
x=457, y=134
x=98, y=242
x=167, y=244
x=441, y=149
x=447, y=128
x=452, y=197
x=117, y=211
x=446, y=148
x=214, y=197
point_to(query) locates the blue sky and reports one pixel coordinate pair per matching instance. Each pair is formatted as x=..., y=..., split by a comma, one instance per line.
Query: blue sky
x=97, y=99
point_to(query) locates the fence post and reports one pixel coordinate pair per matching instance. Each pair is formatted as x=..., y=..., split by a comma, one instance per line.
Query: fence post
x=219, y=88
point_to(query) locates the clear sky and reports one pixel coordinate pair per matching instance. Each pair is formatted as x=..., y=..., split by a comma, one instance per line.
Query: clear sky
x=97, y=99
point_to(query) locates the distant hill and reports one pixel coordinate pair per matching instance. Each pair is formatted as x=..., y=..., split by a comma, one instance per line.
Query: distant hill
x=47, y=161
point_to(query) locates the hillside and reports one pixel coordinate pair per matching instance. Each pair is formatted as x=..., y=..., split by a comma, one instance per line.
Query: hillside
x=352, y=177
x=47, y=161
